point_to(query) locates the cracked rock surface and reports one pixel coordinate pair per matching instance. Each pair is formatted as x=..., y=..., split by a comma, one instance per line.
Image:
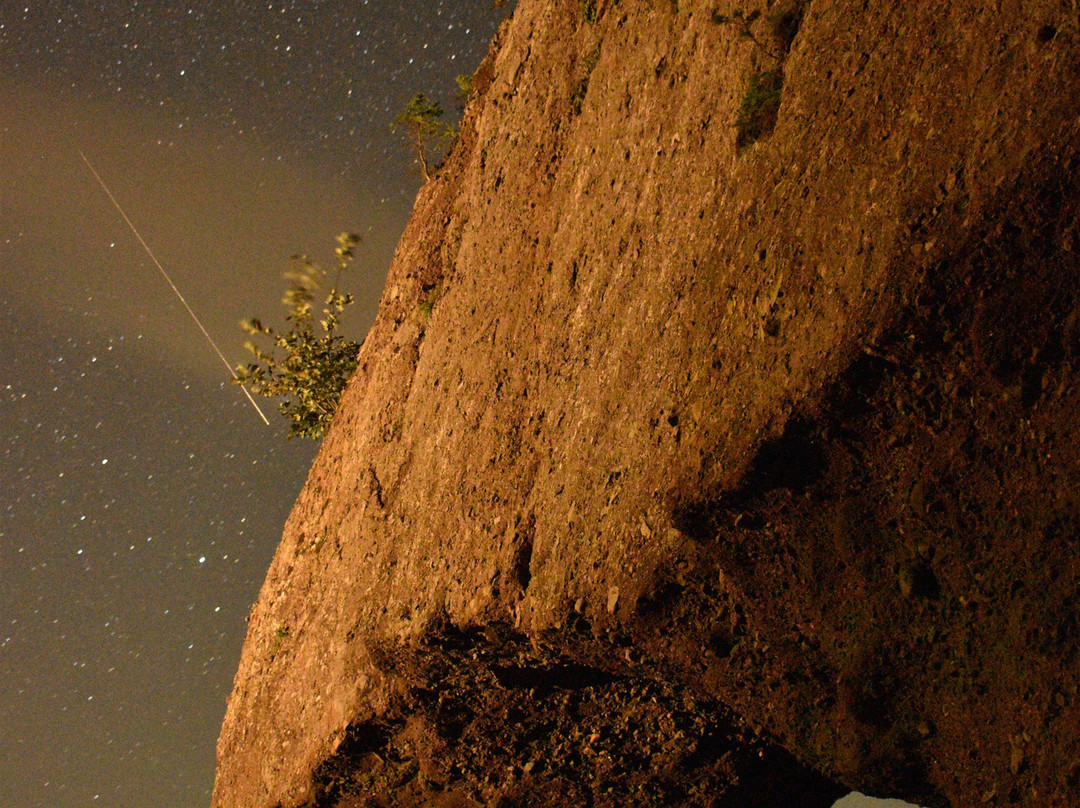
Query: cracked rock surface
x=669, y=454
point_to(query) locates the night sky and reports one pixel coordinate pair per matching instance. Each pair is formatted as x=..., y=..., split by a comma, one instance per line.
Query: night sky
x=143, y=496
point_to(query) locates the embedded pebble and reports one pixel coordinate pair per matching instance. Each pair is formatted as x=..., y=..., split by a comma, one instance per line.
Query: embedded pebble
x=612, y=599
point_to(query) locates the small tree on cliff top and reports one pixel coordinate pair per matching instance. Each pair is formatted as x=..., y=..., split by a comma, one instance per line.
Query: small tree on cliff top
x=315, y=365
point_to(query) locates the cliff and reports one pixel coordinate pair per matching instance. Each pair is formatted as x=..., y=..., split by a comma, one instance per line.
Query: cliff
x=680, y=465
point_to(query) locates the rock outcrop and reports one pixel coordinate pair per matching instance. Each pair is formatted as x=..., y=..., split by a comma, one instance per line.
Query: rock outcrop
x=669, y=454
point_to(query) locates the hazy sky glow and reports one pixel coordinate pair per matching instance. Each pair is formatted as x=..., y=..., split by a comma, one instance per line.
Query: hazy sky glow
x=144, y=497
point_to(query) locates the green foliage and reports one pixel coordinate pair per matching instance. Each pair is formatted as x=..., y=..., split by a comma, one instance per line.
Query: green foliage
x=465, y=88
x=760, y=106
x=425, y=131
x=427, y=305
x=587, y=9
x=315, y=363
x=578, y=93
x=581, y=86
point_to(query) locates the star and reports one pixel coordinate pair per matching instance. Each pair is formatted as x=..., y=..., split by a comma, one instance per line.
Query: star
x=231, y=141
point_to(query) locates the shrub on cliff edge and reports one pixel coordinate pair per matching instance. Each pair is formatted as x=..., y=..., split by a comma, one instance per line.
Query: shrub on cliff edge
x=315, y=367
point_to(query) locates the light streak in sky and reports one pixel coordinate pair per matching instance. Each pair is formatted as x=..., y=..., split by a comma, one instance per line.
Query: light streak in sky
x=165, y=275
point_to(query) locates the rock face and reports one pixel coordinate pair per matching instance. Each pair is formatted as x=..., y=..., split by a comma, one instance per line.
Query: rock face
x=667, y=456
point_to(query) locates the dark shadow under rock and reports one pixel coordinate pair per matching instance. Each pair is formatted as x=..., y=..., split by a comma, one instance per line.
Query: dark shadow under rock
x=490, y=718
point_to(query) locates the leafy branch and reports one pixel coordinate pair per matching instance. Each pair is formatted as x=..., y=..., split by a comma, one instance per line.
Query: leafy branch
x=761, y=103
x=316, y=363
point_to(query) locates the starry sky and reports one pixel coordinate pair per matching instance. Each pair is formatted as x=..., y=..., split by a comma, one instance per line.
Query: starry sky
x=143, y=497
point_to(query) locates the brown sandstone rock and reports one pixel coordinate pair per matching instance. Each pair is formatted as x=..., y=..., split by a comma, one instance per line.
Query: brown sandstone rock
x=786, y=428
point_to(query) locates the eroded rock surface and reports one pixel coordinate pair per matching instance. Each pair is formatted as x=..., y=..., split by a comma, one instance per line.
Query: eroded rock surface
x=788, y=427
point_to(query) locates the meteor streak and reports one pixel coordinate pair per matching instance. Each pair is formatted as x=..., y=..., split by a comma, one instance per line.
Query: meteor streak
x=168, y=280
